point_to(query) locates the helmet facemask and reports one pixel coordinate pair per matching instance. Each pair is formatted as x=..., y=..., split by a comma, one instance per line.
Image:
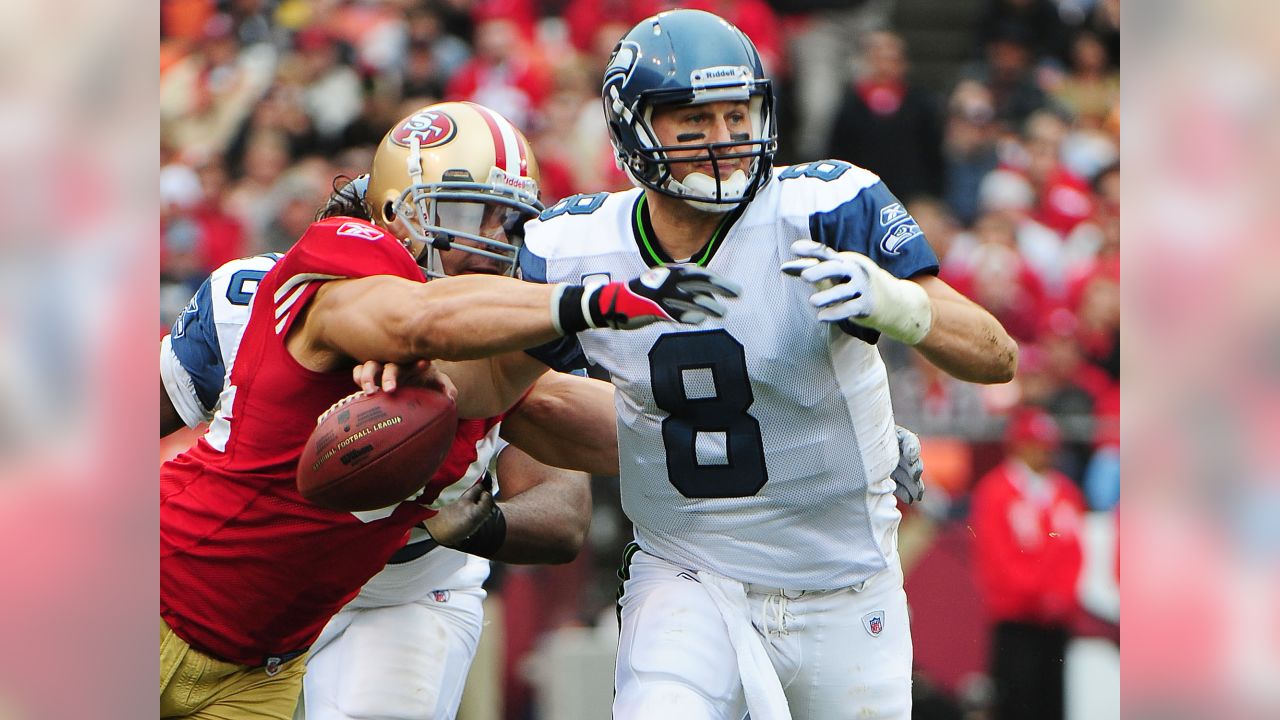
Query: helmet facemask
x=685, y=58
x=709, y=193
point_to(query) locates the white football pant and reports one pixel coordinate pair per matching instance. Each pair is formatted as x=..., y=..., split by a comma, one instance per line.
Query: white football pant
x=838, y=654
x=406, y=661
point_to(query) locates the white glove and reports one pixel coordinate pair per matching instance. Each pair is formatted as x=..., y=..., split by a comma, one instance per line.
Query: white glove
x=908, y=475
x=852, y=287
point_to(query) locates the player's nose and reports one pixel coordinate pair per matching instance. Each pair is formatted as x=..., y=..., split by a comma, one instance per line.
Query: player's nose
x=720, y=130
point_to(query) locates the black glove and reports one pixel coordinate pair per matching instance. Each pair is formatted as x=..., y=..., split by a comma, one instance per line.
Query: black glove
x=472, y=524
x=674, y=293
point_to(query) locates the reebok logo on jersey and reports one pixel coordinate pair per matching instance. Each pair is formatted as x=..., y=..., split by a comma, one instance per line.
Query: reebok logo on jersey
x=873, y=622
x=359, y=230
x=891, y=214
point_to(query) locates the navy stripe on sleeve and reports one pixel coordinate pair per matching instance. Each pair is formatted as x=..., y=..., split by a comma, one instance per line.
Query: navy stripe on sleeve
x=195, y=343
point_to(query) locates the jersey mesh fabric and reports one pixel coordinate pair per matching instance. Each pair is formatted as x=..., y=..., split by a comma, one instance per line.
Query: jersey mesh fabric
x=825, y=516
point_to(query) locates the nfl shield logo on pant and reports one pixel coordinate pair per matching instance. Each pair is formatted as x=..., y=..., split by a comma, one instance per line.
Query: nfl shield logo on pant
x=873, y=622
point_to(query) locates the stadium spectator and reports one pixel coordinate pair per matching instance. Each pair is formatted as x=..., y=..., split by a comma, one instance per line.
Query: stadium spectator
x=331, y=91
x=1063, y=199
x=1093, y=286
x=422, y=76
x=935, y=404
x=1104, y=20
x=205, y=95
x=823, y=38
x=888, y=126
x=1006, y=68
x=1010, y=195
x=502, y=75
x=425, y=24
x=281, y=111
x=222, y=235
x=1080, y=389
x=1092, y=87
x=251, y=198
x=584, y=19
x=968, y=147
x=1001, y=280
x=1026, y=519
x=1036, y=20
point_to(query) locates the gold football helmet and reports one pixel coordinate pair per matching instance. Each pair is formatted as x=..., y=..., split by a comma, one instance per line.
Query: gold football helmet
x=455, y=175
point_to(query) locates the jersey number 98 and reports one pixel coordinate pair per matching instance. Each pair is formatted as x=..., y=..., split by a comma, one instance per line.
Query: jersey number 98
x=714, y=448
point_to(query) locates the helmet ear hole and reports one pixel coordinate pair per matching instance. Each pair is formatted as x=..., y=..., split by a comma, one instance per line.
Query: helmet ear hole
x=389, y=211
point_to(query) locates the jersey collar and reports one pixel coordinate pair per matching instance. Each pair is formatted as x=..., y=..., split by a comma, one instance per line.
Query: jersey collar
x=651, y=250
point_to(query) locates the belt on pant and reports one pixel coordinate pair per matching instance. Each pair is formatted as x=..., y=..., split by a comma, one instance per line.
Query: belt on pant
x=413, y=551
x=273, y=662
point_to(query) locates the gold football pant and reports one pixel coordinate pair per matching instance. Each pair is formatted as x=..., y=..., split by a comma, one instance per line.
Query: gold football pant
x=198, y=686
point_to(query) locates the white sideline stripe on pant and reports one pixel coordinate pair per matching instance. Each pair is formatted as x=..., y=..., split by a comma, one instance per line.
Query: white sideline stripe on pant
x=760, y=684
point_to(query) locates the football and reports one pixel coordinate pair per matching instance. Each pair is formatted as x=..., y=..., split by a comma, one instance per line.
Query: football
x=372, y=451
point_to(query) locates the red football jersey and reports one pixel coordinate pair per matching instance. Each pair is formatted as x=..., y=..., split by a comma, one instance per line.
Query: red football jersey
x=248, y=568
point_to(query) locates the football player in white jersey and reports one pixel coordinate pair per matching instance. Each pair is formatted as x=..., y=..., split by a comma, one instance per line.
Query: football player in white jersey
x=756, y=450
x=402, y=648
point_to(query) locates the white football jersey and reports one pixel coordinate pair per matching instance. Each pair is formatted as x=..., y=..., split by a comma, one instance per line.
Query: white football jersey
x=757, y=446
x=201, y=346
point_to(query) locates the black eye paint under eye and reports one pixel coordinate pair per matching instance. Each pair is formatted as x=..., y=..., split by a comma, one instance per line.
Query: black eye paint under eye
x=740, y=137
x=690, y=137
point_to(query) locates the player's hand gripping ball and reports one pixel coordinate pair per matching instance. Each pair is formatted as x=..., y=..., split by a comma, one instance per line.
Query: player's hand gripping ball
x=369, y=451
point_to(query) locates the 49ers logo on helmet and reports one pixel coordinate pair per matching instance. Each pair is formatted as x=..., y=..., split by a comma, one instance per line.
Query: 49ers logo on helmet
x=431, y=127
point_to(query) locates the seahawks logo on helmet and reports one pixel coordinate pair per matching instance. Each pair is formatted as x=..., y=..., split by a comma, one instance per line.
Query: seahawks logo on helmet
x=621, y=66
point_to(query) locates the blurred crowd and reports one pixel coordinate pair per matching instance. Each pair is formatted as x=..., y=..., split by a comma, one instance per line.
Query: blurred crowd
x=1011, y=167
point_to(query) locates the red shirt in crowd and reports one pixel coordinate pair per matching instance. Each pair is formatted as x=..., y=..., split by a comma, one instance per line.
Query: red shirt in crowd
x=1027, y=544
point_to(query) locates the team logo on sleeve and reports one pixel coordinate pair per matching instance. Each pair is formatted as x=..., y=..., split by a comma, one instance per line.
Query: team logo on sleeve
x=893, y=240
x=431, y=127
x=873, y=622
x=188, y=314
x=891, y=214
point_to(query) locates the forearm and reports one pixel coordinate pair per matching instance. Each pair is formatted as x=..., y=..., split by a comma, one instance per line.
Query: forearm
x=547, y=523
x=477, y=316
x=491, y=386
x=569, y=422
x=965, y=340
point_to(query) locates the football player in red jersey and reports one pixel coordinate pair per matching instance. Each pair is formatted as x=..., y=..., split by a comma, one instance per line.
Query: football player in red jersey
x=250, y=572
x=414, y=628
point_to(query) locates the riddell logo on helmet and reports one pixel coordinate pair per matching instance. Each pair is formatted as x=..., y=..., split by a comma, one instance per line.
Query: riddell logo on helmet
x=719, y=74
x=498, y=177
x=431, y=127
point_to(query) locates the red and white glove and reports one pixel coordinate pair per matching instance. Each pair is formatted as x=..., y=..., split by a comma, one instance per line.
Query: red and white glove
x=671, y=293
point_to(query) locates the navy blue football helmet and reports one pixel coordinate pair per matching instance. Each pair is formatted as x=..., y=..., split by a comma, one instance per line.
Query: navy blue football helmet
x=688, y=57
